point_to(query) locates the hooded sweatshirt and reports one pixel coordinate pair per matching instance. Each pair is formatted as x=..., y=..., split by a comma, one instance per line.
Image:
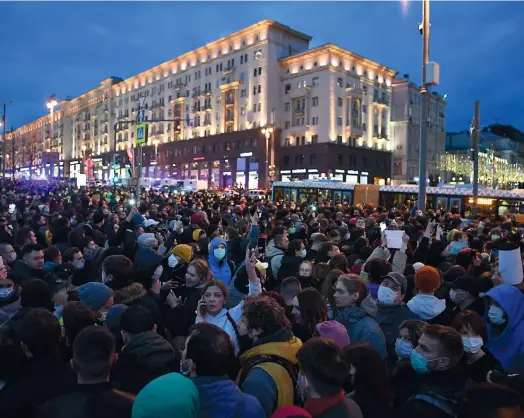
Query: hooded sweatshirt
x=220, y=268
x=426, y=306
x=274, y=255
x=361, y=325
x=167, y=396
x=508, y=346
x=220, y=397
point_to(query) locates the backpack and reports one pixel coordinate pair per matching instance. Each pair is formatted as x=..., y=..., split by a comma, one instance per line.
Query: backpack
x=445, y=404
x=286, y=364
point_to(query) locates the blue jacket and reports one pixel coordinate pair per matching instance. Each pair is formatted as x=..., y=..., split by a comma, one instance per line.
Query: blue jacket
x=220, y=397
x=508, y=346
x=220, y=269
x=361, y=325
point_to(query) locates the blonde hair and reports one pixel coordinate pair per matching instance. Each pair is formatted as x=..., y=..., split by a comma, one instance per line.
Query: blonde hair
x=202, y=270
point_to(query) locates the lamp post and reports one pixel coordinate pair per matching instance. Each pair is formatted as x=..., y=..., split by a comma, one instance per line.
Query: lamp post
x=267, y=131
x=155, y=142
x=4, y=147
x=51, y=104
x=424, y=92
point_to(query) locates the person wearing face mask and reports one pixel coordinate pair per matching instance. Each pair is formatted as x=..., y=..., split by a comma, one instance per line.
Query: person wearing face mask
x=441, y=377
x=208, y=359
x=220, y=266
x=465, y=293
x=9, y=297
x=8, y=254
x=356, y=310
x=392, y=311
x=505, y=319
x=145, y=355
x=98, y=297
x=293, y=257
x=474, y=334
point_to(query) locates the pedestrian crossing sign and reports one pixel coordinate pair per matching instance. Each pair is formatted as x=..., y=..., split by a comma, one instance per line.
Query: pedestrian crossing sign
x=140, y=133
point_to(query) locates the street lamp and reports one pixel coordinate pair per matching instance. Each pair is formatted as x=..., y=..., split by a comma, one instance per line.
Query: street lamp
x=4, y=137
x=267, y=132
x=155, y=143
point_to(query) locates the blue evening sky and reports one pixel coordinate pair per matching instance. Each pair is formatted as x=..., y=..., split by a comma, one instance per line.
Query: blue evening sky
x=68, y=48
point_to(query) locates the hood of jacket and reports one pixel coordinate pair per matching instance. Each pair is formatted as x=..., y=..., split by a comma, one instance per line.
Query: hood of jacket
x=272, y=250
x=10, y=305
x=152, y=351
x=354, y=313
x=49, y=266
x=508, y=346
x=147, y=258
x=220, y=269
x=427, y=306
x=285, y=349
x=130, y=293
x=221, y=397
x=23, y=273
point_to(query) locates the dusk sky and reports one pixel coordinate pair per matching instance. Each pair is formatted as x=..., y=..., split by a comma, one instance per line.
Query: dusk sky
x=68, y=48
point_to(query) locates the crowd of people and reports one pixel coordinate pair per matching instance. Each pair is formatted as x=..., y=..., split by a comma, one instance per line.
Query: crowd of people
x=195, y=305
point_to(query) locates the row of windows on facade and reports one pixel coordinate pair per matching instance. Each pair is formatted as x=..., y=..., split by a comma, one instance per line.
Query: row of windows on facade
x=355, y=123
x=300, y=140
x=315, y=82
x=351, y=160
x=184, y=81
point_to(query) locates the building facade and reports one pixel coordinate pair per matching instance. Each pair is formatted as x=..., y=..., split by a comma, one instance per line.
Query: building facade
x=405, y=133
x=256, y=106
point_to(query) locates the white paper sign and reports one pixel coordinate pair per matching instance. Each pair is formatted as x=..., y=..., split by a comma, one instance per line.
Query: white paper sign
x=510, y=267
x=394, y=238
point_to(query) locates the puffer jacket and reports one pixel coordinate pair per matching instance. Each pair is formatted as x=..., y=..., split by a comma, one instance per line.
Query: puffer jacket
x=145, y=357
x=361, y=325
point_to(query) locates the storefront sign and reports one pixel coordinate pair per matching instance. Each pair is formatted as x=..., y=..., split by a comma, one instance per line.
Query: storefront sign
x=312, y=170
x=299, y=170
x=339, y=171
x=246, y=154
x=352, y=171
x=199, y=158
x=285, y=171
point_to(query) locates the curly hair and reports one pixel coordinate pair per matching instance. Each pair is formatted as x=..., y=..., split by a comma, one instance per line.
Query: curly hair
x=313, y=309
x=202, y=270
x=264, y=312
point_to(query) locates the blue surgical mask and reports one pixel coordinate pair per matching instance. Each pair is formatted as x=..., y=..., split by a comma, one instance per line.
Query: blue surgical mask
x=386, y=295
x=185, y=371
x=496, y=315
x=219, y=253
x=291, y=230
x=403, y=348
x=80, y=265
x=5, y=292
x=419, y=362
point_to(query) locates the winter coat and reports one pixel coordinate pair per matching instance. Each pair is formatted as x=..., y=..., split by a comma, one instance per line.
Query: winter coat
x=507, y=346
x=361, y=325
x=10, y=305
x=23, y=274
x=43, y=380
x=147, y=258
x=136, y=294
x=274, y=255
x=389, y=318
x=145, y=357
x=270, y=383
x=221, y=269
x=182, y=317
x=289, y=266
x=221, y=319
x=98, y=400
x=220, y=397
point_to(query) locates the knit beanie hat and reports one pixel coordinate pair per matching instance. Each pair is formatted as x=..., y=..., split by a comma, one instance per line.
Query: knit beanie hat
x=184, y=251
x=114, y=313
x=291, y=411
x=427, y=279
x=417, y=266
x=334, y=331
x=94, y=294
x=196, y=234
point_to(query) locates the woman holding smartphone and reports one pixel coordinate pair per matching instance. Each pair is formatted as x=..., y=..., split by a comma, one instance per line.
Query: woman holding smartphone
x=211, y=307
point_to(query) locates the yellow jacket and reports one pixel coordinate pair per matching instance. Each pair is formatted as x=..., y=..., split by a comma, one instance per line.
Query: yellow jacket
x=286, y=350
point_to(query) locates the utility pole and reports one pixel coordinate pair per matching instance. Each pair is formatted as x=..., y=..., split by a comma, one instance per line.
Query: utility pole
x=475, y=133
x=424, y=114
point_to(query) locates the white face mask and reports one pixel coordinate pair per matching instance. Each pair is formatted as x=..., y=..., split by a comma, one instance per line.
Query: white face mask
x=472, y=345
x=303, y=253
x=386, y=295
x=5, y=292
x=172, y=261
